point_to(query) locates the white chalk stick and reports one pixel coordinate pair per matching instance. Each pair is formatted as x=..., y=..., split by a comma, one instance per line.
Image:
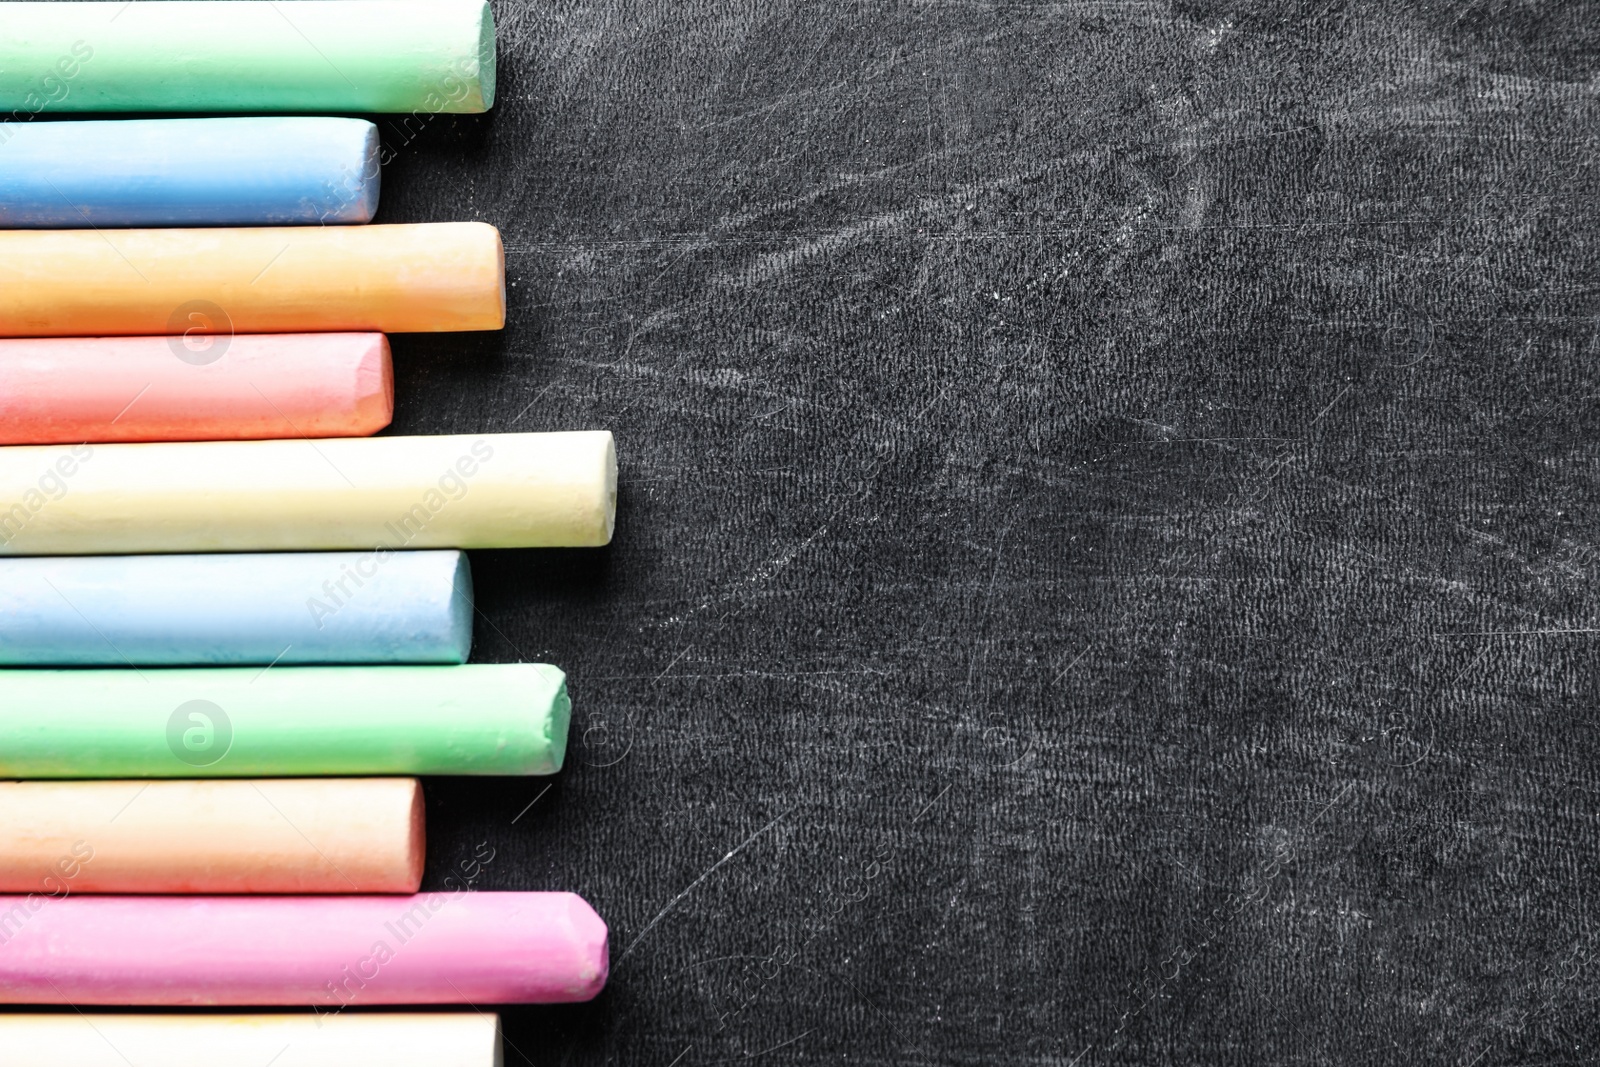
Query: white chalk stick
x=344, y=1039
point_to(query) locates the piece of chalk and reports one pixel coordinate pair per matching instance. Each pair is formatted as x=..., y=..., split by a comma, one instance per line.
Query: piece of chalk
x=200, y=387
x=480, y=491
x=188, y=172
x=293, y=835
x=420, y=278
x=245, y=722
x=459, y=947
x=425, y=57
x=326, y=1039
x=282, y=608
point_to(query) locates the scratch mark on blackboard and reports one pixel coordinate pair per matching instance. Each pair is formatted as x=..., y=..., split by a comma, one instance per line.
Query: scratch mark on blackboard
x=694, y=884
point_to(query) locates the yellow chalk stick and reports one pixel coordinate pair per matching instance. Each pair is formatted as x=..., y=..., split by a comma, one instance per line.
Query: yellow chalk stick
x=395, y=279
x=288, y=835
x=378, y=494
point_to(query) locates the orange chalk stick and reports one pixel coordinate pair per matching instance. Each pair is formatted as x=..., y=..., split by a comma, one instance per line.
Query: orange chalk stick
x=196, y=387
x=290, y=835
x=424, y=278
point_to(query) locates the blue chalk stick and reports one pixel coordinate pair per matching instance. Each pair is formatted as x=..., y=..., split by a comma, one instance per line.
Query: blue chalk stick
x=257, y=608
x=187, y=172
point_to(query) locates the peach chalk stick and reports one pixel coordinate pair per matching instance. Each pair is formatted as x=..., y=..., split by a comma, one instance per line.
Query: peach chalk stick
x=421, y=278
x=460, y=947
x=312, y=835
x=198, y=387
x=345, y=1039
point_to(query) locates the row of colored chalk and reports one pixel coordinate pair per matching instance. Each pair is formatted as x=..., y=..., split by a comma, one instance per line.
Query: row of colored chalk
x=277, y=605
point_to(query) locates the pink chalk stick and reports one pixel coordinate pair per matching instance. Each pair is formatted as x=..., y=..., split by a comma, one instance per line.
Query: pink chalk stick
x=196, y=388
x=458, y=947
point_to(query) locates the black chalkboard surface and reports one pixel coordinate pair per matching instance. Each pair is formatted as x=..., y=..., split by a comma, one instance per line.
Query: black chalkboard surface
x=1107, y=541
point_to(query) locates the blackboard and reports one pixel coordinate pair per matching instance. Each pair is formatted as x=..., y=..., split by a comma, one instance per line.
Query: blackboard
x=1107, y=541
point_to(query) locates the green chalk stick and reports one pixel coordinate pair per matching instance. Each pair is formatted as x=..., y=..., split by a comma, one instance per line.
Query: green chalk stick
x=423, y=57
x=506, y=719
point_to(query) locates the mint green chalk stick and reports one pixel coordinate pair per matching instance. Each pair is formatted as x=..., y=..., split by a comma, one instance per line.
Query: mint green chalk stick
x=418, y=56
x=507, y=719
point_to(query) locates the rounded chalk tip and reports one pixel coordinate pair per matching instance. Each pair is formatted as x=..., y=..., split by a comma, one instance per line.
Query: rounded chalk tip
x=487, y=72
x=557, y=723
x=500, y=261
x=592, y=942
x=416, y=837
x=375, y=402
x=610, y=503
x=461, y=609
x=497, y=1054
x=594, y=462
x=352, y=161
x=366, y=207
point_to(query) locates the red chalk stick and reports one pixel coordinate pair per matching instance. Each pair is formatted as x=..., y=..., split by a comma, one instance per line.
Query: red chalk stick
x=197, y=388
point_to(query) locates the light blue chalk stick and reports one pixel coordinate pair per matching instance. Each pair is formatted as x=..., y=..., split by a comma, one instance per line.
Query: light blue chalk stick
x=257, y=608
x=188, y=172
